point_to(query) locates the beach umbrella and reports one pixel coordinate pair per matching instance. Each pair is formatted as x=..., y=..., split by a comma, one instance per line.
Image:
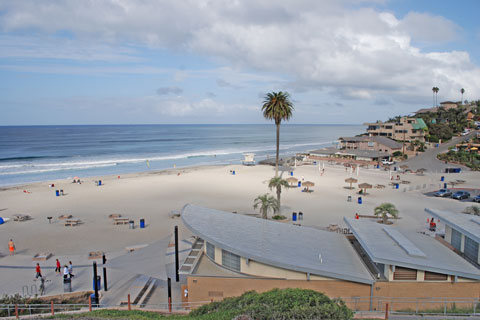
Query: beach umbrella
x=474, y=148
x=351, y=180
x=292, y=180
x=365, y=186
x=308, y=184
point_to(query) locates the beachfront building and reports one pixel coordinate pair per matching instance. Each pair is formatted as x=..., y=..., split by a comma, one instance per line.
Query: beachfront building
x=405, y=129
x=236, y=253
x=400, y=255
x=377, y=143
x=462, y=232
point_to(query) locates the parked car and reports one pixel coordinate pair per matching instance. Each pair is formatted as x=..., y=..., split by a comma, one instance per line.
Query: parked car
x=477, y=198
x=443, y=193
x=459, y=195
x=387, y=162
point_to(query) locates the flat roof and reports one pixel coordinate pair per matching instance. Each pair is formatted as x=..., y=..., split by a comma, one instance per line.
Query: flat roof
x=278, y=244
x=350, y=152
x=395, y=246
x=381, y=140
x=468, y=224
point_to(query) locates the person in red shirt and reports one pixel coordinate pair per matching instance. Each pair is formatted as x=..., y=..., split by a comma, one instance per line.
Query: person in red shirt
x=39, y=271
x=57, y=267
x=357, y=216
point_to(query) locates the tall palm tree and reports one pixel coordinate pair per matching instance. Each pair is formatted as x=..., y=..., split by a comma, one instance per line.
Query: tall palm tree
x=462, y=91
x=277, y=106
x=433, y=94
x=435, y=90
x=278, y=183
x=384, y=210
x=266, y=203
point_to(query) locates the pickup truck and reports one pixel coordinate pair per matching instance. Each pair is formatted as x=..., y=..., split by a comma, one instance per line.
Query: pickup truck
x=387, y=162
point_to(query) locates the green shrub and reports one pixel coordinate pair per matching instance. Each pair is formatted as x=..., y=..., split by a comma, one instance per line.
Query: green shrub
x=397, y=154
x=279, y=217
x=280, y=304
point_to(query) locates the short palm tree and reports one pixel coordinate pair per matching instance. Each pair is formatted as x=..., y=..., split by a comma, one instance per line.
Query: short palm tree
x=266, y=203
x=385, y=210
x=277, y=106
x=278, y=183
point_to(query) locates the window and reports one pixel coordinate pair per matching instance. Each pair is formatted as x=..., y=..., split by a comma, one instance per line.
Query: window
x=456, y=239
x=471, y=249
x=230, y=260
x=404, y=274
x=388, y=127
x=433, y=276
x=211, y=251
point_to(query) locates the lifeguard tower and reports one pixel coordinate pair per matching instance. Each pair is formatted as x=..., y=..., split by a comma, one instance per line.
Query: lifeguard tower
x=248, y=159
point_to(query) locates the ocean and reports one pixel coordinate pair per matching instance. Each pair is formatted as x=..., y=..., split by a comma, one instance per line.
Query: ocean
x=43, y=153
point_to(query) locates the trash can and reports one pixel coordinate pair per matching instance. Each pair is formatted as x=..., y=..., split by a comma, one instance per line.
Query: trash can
x=445, y=185
x=299, y=184
x=61, y=192
x=99, y=182
x=142, y=223
x=57, y=193
x=300, y=216
x=291, y=173
x=67, y=285
x=294, y=216
x=233, y=172
x=99, y=283
x=349, y=198
x=394, y=168
x=442, y=178
x=397, y=185
x=94, y=300
x=359, y=200
x=131, y=224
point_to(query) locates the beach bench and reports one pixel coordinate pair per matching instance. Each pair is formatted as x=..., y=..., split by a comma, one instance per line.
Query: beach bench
x=114, y=215
x=21, y=217
x=42, y=256
x=95, y=255
x=72, y=222
x=121, y=220
x=65, y=216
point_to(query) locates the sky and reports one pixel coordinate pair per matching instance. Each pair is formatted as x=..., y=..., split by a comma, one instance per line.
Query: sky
x=208, y=61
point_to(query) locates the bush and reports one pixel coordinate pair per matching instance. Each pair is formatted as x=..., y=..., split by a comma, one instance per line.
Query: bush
x=397, y=154
x=279, y=217
x=280, y=304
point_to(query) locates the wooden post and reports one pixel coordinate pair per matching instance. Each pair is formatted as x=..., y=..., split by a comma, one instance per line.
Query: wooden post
x=169, y=282
x=16, y=311
x=129, y=304
x=51, y=307
x=90, y=303
x=386, y=311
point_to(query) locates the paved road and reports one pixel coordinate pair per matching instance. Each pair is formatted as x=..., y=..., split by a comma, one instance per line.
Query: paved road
x=428, y=159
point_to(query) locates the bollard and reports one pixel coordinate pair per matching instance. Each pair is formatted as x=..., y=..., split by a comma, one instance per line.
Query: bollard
x=386, y=311
x=51, y=307
x=90, y=303
x=16, y=311
x=129, y=304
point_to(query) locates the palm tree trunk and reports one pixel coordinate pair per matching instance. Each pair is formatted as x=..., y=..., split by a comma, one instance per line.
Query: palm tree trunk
x=385, y=218
x=264, y=213
x=278, y=150
x=279, y=191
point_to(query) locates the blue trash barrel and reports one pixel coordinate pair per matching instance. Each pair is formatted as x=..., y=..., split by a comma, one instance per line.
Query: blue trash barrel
x=294, y=216
x=233, y=172
x=359, y=200
x=142, y=223
x=99, y=182
x=99, y=283
x=445, y=185
x=442, y=178
x=57, y=193
x=1, y=220
x=291, y=173
x=299, y=184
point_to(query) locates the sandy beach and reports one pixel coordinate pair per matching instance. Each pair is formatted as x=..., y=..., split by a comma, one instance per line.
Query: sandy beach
x=154, y=195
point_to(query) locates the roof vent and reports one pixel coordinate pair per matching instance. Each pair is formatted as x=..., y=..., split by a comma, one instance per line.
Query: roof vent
x=404, y=243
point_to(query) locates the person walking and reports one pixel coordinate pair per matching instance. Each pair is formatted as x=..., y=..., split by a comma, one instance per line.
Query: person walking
x=70, y=269
x=58, y=267
x=38, y=271
x=65, y=272
x=11, y=247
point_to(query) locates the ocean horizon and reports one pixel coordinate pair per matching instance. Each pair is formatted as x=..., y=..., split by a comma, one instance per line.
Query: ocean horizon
x=39, y=153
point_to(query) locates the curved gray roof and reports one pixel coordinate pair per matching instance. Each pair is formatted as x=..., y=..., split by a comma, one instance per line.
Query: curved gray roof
x=394, y=246
x=278, y=244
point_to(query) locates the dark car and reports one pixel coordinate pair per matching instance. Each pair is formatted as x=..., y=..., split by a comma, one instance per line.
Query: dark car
x=476, y=198
x=443, y=193
x=459, y=195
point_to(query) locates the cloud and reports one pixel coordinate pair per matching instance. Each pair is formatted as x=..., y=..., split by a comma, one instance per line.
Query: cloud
x=210, y=94
x=168, y=90
x=345, y=47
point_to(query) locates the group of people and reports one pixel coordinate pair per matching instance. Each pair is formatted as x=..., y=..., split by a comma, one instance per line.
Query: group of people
x=67, y=269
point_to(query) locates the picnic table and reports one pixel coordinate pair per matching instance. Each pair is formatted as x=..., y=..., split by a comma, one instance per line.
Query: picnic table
x=121, y=220
x=21, y=217
x=72, y=222
x=114, y=215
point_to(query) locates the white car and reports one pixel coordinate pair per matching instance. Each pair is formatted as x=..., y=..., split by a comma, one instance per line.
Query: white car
x=387, y=162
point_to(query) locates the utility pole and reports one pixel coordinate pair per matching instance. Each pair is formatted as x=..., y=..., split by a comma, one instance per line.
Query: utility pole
x=177, y=277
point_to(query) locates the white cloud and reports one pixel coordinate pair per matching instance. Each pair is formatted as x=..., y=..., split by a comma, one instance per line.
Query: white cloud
x=354, y=53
